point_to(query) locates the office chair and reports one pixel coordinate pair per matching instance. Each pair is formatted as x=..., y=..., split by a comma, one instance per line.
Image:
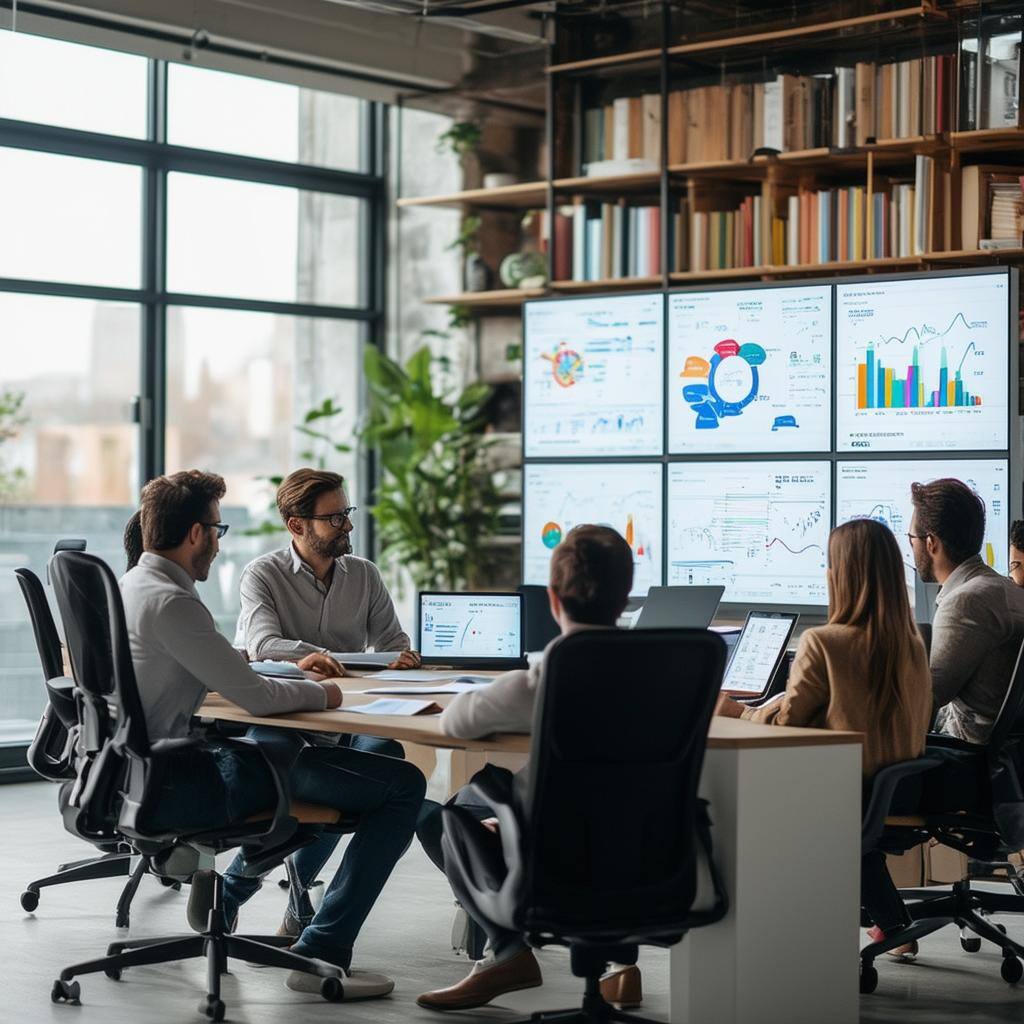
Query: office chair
x=601, y=840
x=539, y=628
x=118, y=787
x=52, y=755
x=986, y=835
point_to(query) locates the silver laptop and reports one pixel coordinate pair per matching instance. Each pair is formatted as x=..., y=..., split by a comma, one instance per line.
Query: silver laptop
x=679, y=607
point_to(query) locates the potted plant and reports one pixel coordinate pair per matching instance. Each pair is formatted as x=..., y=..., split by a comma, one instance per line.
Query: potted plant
x=437, y=503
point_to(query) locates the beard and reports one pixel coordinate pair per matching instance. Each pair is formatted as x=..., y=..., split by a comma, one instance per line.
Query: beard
x=333, y=548
x=203, y=560
x=925, y=567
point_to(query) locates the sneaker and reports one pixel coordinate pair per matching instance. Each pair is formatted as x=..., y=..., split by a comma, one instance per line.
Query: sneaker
x=622, y=988
x=485, y=982
x=355, y=985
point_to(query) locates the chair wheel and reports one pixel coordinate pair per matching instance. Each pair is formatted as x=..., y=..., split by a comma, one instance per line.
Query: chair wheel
x=213, y=1008
x=65, y=991
x=868, y=979
x=331, y=989
x=113, y=973
x=29, y=900
x=1012, y=970
x=282, y=883
x=970, y=945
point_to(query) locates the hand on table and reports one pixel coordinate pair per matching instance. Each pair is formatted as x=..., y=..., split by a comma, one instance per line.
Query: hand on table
x=322, y=664
x=728, y=708
x=333, y=694
x=407, y=659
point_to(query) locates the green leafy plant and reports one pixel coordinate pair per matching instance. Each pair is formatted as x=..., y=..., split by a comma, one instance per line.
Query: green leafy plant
x=459, y=316
x=466, y=240
x=12, y=418
x=461, y=138
x=437, y=502
x=321, y=446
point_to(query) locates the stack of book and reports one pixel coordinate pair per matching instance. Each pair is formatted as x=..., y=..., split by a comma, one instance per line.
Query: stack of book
x=603, y=241
x=723, y=239
x=1006, y=213
x=989, y=201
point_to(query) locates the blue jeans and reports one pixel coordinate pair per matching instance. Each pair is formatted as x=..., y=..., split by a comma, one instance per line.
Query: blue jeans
x=386, y=794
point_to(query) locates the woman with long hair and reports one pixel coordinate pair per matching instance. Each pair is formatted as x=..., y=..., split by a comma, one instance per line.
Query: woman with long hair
x=866, y=671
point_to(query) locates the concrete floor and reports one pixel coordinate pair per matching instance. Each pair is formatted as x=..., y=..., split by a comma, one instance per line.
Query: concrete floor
x=406, y=936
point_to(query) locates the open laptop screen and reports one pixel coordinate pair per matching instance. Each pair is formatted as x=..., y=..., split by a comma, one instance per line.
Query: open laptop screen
x=471, y=626
x=758, y=651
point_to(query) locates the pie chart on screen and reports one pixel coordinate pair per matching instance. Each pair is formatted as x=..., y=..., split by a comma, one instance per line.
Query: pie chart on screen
x=551, y=535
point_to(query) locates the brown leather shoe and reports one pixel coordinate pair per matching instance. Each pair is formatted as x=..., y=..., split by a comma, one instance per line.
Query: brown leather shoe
x=622, y=988
x=485, y=982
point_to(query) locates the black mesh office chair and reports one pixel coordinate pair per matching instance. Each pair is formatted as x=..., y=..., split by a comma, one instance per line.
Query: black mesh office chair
x=52, y=755
x=986, y=835
x=118, y=787
x=600, y=842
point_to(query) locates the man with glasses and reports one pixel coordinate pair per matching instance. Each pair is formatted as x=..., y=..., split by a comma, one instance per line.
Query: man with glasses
x=179, y=656
x=314, y=596
x=979, y=614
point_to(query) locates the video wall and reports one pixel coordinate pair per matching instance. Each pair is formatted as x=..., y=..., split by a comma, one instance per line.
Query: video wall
x=724, y=432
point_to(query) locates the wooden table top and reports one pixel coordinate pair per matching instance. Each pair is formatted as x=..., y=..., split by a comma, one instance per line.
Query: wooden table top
x=725, y=733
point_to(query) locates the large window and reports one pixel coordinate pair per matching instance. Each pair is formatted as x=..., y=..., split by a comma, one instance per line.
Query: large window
x=186, y=269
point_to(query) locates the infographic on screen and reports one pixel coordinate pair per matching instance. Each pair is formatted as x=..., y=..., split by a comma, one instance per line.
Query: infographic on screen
x=758, y=528
x=881, y=491
x=593, y=372
x=626, y=497
x=750, y=370
x=922, y=364
x=470, y=626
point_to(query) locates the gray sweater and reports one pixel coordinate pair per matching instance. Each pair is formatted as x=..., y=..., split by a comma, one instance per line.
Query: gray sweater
x=976, y=637
x=179, y=655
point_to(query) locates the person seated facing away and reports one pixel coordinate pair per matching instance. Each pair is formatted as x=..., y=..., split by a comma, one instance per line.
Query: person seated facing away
x=179, y=657
x=864, y=671
x=1016, y=567
x=979, y=614
x=314, y=596
x=591, y=577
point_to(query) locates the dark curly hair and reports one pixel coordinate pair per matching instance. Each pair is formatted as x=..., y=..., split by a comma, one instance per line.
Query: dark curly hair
x=1017, y=534
x=592, y=574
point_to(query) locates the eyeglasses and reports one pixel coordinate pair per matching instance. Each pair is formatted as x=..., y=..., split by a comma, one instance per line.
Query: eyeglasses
x=1014, y=566
x=337, y=519
x=221, y=528
x=918, y=536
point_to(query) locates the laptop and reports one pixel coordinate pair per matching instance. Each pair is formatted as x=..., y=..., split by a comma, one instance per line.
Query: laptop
x=759, y=652
x=471, y=630
x=679, y=607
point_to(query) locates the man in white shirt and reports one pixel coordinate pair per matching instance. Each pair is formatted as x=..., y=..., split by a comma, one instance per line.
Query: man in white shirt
x=179, y=656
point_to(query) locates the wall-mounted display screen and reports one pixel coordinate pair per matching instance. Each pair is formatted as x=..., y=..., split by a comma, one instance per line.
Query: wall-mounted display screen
x=625, y=496
x=593, y=376
x=758, y=528
x=923, y=365
x=881, y=490
x=750, y=370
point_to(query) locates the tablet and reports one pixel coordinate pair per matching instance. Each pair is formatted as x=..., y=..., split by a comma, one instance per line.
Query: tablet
x=759, y=652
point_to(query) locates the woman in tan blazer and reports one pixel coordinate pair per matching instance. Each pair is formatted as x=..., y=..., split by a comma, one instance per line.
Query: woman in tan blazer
x=866, y=671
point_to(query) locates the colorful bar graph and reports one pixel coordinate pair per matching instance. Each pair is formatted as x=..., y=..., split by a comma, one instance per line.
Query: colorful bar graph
x=878, y=387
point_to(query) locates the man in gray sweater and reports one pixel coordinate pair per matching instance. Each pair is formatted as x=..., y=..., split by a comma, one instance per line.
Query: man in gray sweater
x=591, y=577
x=179, y=656
x=979, y=614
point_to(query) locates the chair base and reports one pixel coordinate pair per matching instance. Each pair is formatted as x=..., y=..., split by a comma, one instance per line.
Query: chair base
x=595, y=1010
x=109, y=865
x=967, y=909
x=217, y=945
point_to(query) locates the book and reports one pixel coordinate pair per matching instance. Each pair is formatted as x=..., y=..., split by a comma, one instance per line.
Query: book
x=395, y=706
x=651, y=115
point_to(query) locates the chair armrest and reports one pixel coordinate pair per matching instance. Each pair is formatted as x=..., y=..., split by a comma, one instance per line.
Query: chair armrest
x=935, y=740
x=883, y=787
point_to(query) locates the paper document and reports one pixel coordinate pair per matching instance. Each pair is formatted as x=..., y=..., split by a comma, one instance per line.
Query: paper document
x=381, y=658
x=464, y=684
x=413, y=675
x=277, y=669
x=396, y=707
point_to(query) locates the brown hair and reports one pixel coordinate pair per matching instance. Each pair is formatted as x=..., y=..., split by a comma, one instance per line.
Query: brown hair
x=592, y=574
x=950, y=510
x=299, y=490
x=868, y=589
x=172, y=505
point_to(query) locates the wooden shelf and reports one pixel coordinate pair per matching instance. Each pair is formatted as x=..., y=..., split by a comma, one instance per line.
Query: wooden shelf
x=504, y=298
x=642, y=182
x=986, y=138
x=801, y=31
x=609, y=284
x=521, y=196
x=610, y=61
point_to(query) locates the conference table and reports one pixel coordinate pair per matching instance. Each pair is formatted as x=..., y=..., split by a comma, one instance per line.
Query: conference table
x=785, y=808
